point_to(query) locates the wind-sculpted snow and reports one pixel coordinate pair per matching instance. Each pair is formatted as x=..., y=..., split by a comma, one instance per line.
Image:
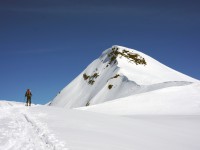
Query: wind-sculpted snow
x=128, y=88
x=175, y=100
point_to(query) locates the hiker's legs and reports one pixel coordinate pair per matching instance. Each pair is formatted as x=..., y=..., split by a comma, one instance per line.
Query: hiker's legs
x=28, y=102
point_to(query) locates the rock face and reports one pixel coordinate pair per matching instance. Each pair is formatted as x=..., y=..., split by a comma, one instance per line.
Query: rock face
x=119, y=72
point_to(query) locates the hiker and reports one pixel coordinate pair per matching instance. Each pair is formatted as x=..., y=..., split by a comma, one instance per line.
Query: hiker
x=28, y=95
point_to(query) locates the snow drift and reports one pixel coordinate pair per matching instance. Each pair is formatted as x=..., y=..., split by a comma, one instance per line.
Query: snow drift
x=123, y=74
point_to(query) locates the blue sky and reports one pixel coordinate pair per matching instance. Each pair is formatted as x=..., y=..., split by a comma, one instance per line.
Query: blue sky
x=44, y=44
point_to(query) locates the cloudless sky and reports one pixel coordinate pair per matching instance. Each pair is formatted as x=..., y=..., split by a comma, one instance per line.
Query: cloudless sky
x=45, y=44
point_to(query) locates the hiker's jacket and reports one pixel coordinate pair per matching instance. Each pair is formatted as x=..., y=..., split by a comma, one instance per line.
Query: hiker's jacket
x=28, y=94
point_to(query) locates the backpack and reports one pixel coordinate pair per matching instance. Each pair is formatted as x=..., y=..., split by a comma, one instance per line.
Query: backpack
x=28, y=93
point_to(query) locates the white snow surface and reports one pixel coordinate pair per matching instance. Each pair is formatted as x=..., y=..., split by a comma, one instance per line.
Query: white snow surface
x=138, y=89
x=180, y=100
x=52, y=128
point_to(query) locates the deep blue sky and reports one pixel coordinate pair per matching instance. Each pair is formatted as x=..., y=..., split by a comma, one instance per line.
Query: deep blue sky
x=44, y=44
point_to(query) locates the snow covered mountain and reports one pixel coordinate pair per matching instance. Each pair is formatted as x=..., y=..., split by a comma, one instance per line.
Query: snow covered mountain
x=130, y=82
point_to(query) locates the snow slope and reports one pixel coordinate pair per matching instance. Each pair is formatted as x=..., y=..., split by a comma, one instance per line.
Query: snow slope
x=181, y=100
x=53, y=128
x=130, y=77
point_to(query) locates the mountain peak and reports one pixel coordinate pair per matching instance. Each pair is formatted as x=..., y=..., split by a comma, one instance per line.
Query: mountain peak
x=129, y=54
x=118, y=72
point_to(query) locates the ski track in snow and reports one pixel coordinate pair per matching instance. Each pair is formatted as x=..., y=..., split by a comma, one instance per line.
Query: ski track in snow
x=20, y=130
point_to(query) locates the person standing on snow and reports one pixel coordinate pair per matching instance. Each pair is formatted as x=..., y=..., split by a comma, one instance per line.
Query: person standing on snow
x=28, y=95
